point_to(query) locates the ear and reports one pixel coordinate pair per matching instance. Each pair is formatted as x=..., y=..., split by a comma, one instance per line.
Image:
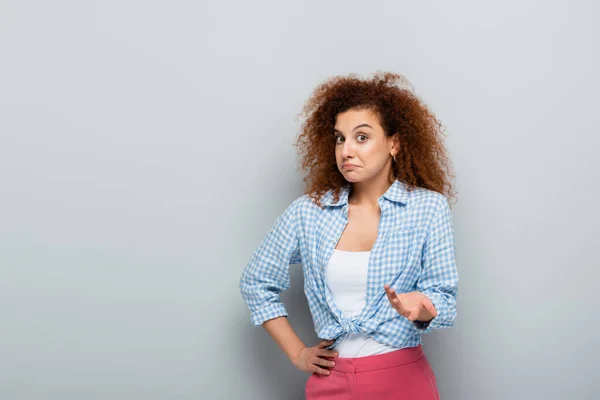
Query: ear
x=395, y=144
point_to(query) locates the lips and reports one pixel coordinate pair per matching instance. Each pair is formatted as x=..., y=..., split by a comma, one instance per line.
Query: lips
x=348, y=165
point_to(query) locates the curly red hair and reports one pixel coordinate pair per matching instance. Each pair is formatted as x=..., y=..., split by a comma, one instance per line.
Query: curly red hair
x=421, y=161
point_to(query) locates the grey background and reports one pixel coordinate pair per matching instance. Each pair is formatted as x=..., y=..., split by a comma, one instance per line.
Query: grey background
x=146, y=149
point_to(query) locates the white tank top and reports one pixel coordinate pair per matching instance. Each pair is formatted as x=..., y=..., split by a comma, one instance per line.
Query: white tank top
x=346, y=276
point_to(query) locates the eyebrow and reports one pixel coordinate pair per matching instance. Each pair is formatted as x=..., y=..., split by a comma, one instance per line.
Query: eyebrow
x=356, y=127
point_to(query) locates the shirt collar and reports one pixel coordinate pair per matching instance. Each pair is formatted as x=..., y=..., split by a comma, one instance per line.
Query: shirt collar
x=396, y=192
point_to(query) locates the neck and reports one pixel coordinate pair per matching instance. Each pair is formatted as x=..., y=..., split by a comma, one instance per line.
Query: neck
x=366, y=193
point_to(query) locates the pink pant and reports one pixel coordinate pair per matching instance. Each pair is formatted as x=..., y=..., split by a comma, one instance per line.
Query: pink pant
x=403, y=374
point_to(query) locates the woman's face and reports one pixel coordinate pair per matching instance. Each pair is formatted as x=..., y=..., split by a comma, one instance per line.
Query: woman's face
x=362, y=151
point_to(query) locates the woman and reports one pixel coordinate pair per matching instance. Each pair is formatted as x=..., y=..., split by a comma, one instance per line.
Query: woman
x=375, y=237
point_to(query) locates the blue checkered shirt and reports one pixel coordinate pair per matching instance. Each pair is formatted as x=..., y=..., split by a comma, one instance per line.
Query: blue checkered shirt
x=414, y=251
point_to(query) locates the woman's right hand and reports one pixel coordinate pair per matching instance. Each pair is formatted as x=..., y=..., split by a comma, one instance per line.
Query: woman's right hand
x=313, y=359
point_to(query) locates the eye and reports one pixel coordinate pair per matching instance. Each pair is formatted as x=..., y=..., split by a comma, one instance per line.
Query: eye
x=337, y=137
x=364, y=136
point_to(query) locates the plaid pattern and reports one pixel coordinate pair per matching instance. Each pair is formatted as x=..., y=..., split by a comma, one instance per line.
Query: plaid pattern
x=414, y=250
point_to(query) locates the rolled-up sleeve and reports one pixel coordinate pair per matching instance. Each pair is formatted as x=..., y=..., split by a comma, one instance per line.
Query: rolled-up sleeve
x=267, y=273
x=439, y=275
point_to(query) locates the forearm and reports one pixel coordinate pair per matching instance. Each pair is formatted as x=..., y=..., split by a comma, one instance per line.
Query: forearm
x=439, y=275
x=282, y=333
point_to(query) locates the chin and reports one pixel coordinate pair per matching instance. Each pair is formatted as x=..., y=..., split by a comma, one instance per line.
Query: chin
x=351, y=178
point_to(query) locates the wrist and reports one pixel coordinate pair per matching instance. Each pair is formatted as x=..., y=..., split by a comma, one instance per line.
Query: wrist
x=296, y=355
x=422, y=324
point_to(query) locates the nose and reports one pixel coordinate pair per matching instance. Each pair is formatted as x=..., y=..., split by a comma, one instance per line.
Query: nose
x=347, y=150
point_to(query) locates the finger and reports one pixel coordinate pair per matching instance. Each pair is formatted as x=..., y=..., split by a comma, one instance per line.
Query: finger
x=390, y=293
x=399, y=306
x=328, y=353
x=323, y=362
x=390, y=298
x=325, y=343
x=393, y=302
x=396, y=302
x=413, y=314
x=319, y=370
